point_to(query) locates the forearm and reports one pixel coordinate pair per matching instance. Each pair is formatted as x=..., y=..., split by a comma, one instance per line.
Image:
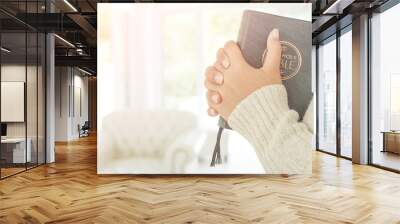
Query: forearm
x=282, y=143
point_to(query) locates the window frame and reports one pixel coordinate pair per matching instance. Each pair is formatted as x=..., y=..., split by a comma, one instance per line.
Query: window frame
x=381, y=9
x=334, y=37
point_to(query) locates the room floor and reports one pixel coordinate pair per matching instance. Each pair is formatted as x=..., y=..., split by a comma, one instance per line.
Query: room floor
x=10, y=171
x=387, y=159
x=70, y=191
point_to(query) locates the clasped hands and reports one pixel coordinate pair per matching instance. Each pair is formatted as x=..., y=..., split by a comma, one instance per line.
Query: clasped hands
x=231, y=79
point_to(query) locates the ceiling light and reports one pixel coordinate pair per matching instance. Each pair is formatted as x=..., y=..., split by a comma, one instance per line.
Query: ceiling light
x=79, y=51
x=84, y=71
x=64, y=40
x=70, y=5
x=337, y=7
x=5, y=50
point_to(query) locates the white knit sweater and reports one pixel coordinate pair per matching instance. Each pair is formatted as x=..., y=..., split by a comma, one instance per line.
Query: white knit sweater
x=281, y=141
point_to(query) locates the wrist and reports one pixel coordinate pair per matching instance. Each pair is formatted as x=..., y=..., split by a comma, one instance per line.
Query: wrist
x=264, y=107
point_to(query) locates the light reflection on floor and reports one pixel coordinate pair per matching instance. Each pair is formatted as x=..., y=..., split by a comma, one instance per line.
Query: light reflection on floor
x=386, y=159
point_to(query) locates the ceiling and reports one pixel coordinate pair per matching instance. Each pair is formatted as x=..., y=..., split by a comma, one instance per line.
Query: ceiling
x=76, y=22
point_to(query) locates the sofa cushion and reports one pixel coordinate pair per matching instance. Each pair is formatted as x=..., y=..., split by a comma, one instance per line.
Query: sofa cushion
x=146, y=133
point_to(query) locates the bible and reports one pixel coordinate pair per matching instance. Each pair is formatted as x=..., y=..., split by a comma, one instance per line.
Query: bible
x=295, y=37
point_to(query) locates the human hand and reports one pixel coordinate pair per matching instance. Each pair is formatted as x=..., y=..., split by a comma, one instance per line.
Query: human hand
x=231, y=78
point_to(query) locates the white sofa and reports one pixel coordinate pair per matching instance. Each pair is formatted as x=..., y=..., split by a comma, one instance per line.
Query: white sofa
x=147, y=142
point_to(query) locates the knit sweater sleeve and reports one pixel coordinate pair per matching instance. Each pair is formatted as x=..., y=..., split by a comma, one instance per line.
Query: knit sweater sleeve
x=282, y=142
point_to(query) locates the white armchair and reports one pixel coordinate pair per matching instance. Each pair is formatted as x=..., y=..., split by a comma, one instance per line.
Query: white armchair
x=146, y=142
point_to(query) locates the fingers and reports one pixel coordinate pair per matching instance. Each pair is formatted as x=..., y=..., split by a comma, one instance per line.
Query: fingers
x=212, y=112
x=219, y=67
x=233, y=52
x=211, y=86
x=272, y=60
x=214, y=76
x=213, y=99
x=230, y=54
x=214, y=79
x=223, y=59
x=222, y=62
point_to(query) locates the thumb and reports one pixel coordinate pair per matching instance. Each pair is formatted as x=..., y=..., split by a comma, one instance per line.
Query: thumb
x=272, y=60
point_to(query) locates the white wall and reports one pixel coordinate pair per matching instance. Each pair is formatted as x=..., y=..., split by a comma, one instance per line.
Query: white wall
x=62, y=81
x=80, y=83
x=70, y=83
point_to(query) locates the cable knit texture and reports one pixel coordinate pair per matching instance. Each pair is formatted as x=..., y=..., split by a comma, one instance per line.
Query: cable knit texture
x=281, y=141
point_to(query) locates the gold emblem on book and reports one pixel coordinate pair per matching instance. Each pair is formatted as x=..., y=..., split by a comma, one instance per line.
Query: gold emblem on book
x=290, y=60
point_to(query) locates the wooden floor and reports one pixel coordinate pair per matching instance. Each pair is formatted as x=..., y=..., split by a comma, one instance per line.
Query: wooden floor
x=5, y=172
x=70, y=191
x=387, y=159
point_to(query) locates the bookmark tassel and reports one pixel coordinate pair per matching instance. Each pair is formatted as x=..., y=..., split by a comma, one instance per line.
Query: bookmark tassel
x=216, y=158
